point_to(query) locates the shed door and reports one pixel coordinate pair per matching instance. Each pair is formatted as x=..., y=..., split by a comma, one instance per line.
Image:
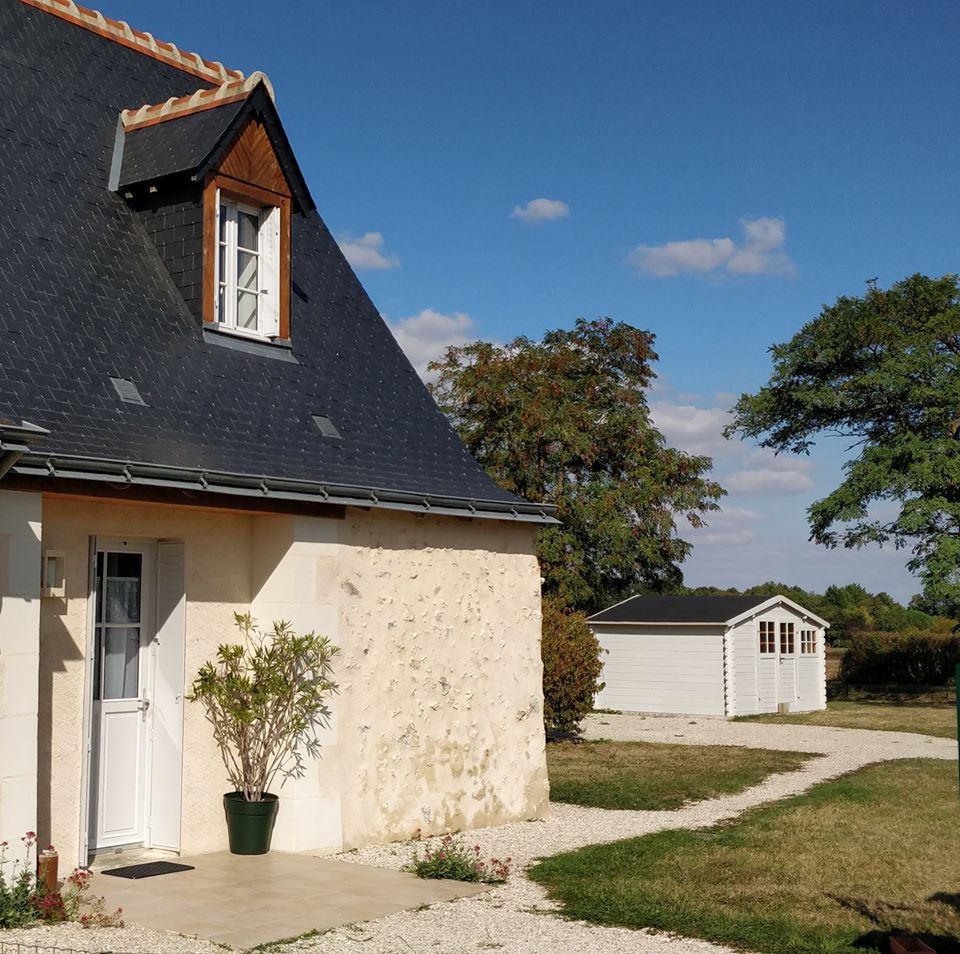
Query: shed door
x=767, y=666
x=787, y=665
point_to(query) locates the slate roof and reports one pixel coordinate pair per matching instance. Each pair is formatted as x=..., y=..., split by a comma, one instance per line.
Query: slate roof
x=85, y=297
x=177, y=145
x=678, y=609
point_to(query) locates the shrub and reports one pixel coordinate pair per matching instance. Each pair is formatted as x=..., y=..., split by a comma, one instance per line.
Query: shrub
x=18, y=885
x=25, y=900
x=571, y=667
x=454, y=861
x=916, y=658
x=265, y=698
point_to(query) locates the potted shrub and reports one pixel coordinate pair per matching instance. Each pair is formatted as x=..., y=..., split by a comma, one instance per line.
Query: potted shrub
x=265, y=698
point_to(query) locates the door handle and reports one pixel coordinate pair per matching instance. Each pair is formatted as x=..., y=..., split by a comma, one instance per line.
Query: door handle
x=143, y=705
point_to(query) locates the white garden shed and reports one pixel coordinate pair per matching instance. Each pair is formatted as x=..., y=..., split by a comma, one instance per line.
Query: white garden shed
x=711, y=655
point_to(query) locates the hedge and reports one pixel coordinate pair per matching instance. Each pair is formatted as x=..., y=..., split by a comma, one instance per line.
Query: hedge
x=913, y=658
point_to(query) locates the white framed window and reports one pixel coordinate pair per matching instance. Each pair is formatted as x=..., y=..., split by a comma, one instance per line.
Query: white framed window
x=768, y=638
x=247, y=283
x=808, y=642
x=788, y=645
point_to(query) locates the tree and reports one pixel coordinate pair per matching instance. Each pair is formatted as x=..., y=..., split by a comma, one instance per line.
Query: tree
x=565, y=420
x=884, y=370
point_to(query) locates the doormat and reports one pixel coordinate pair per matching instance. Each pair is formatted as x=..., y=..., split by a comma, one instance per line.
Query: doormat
x=147, y=870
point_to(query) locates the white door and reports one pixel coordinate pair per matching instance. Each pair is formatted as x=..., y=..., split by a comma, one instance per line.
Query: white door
x=122, y=633
x=787, y=665
x=767, y=666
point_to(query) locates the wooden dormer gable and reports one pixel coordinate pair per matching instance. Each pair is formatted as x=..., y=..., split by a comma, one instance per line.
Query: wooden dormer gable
x=248, y=170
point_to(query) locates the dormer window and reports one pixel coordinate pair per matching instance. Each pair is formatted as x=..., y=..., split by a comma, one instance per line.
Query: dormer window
x=247, y=267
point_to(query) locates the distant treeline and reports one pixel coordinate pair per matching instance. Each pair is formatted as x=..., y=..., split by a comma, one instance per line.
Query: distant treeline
x=849, y=609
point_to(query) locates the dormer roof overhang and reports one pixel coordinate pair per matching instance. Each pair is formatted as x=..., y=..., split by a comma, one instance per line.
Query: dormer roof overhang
x=189, y=136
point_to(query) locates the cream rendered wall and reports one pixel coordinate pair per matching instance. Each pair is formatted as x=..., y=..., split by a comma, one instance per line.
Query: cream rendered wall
x=295, y=579
x=439, y=719
x=438, y=724
x=218, y=575
x=20, y=524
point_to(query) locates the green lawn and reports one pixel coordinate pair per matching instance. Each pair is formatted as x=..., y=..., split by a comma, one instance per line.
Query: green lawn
x=650, y=776
x=938, y=719
x=840, y=868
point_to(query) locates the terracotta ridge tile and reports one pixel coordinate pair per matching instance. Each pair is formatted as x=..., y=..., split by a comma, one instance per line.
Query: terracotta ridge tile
x=177, y=107
x=121, y=32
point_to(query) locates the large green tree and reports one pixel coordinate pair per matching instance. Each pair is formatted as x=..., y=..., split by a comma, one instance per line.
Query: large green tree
x=565, y=420
x=882, y=370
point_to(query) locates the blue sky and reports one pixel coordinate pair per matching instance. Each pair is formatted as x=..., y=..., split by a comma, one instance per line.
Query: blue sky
x=716, y=172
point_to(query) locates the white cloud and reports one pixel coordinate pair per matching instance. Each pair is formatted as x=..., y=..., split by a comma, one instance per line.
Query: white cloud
x=760, y=254
x=725, y=527
x=696, y=430
x=764, y=472
x=427, y=335
x=366, y=251
x=541, y=210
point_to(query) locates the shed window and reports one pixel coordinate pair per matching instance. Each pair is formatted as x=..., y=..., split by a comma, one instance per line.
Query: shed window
x=247, y=273
x=808, y=642
x=768, y=638
x=787, y=639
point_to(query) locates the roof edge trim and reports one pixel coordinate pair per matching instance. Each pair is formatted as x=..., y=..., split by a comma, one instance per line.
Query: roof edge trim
x=178, y=107
x=121, y=32
x=222, y=482
x=768, y=601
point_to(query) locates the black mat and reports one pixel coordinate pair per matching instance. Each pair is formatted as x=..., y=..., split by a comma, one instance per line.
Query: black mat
x=147, y=870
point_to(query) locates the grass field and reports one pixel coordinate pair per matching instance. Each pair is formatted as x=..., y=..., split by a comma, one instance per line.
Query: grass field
x=937, y=719
x=840, y=868
x=649, y=776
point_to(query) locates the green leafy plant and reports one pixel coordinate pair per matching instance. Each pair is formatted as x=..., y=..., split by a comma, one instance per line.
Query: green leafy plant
x=266, y=698
x=571, y=667
x=453, y=860
x=565, y=420
x=25, y=900
x=883, y=371
x=18, y=885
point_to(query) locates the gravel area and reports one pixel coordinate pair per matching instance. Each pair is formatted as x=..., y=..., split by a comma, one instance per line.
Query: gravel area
x=130, y=940
x=517, y=918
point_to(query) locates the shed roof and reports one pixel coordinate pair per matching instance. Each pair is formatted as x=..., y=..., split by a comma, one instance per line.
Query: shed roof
x=719, y=610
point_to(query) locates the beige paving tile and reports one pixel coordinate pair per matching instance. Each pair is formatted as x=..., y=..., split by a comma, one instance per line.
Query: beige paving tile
x=248, y=900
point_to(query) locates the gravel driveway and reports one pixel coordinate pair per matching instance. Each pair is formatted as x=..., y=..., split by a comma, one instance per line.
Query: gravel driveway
x=517, y=918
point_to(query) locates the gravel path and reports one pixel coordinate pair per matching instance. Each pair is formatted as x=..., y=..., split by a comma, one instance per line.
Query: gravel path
x=517, y=918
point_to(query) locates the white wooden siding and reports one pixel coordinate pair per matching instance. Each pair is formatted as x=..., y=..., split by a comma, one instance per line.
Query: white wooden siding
x=744, y=638
x=760, y=682
x=685, y=669
x=674, y=669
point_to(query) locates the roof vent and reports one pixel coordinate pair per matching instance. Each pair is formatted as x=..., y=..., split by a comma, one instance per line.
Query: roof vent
x=326, y=427
x=127, y=391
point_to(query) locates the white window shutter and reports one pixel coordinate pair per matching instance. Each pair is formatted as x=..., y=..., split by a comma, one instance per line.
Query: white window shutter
x=217, y=277
x=270, y=284
x=169, y=689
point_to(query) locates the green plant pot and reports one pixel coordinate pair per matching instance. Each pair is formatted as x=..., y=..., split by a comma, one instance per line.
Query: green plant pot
x=250, y=824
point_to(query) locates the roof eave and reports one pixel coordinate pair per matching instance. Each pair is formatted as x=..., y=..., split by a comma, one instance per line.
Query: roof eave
x=260, y=103
x=132, y=473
